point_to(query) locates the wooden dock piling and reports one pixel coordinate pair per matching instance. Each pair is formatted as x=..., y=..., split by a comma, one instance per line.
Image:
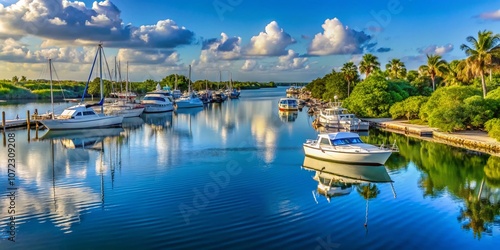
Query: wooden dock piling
x=28, y=119
x=3, y=121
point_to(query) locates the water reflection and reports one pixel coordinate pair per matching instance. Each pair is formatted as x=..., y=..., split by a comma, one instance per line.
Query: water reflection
x=338, y=179
x=87, y=139
x=288, y=116
x=54, y=187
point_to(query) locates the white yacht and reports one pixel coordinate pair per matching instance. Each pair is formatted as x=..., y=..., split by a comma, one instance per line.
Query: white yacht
x=191, y=101
x=158, y=101
x=347, y=147
x=338, y=117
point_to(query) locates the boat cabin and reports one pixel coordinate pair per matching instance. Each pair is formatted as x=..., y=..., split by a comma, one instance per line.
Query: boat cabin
x=288, y=104
x=77, y=112
x=338, y=139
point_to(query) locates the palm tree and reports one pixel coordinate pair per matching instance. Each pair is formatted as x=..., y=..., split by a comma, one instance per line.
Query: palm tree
x=481, y=53
x=350, y=72
x=396, y=69
x=368, y=64
x=435, y=66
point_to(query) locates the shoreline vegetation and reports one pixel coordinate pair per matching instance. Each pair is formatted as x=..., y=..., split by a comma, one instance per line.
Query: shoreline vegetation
x=24, y=89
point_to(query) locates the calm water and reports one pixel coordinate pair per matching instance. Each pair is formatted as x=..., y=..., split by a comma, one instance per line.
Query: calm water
x=230, y=176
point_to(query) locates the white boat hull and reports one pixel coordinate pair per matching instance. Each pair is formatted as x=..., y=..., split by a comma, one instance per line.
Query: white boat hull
x=158, y=108
x=188, y=103
x=329, y=122
x=353, y=156
x=125, y=111
x=100, y=121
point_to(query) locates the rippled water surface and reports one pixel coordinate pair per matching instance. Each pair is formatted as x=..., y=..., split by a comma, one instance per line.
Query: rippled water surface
x=234, y=176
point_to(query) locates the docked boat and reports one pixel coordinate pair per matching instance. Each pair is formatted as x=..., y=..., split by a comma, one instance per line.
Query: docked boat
x=191, y=101
x=158, y=101
x=338, y=117
x=234, y=94
x=82, y=116
x=288, y=104
x=347, y=147
x=125, y=109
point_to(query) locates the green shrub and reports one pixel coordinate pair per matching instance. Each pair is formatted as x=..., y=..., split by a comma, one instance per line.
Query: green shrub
x=493, y=128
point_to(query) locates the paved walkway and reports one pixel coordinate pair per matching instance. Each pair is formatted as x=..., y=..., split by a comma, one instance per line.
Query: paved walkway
x=475, y=139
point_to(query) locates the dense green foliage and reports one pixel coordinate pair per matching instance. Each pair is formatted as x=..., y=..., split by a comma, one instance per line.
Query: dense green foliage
x=374, y=96
x=493, y=128
x=11, y=91
x=408, y=108
x=478, y=111
x=445, y=109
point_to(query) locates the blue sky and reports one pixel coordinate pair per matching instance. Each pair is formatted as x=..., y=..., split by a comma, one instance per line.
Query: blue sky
x=283, y=41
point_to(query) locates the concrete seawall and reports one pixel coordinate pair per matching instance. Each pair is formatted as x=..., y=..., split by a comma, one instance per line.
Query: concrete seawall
x=473, y=140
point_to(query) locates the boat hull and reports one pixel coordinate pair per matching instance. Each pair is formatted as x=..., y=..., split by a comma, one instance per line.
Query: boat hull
x=372, y=158
x=189, y=104
x=125, y=111
x=154, y=108
x=329, y=122
x=100, y=121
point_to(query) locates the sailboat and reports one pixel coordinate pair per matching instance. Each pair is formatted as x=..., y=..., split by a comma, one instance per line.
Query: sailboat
x=190, y=101
x=124, y=106
x=82, y=116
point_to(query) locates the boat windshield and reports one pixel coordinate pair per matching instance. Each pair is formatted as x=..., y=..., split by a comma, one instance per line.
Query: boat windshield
x=153, y=98
x=345, y=141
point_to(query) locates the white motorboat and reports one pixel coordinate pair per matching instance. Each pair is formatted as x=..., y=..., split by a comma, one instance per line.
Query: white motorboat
x=82, y=116
x=158, y=101
x=339, y=118
x=346, y=147
x=288, y=104
x=191, y=101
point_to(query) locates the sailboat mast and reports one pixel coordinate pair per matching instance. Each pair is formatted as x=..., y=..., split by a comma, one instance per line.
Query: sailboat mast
x=51, y=91
x=175, y=87
x=126, y=84
x=220, y=80
x=189, y=87
x=100, y=77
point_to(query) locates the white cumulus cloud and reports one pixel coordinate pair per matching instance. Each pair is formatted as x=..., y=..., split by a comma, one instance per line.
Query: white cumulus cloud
x=272, y=42
x=226, y=48
x=291, y=61
x=338, y=39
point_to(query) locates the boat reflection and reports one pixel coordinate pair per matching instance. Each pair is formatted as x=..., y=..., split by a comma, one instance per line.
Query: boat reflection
x=132, y=123
x=340, y=179
x=288, y=116
x=183, y=121
x=158, y=121
x=86, y=139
